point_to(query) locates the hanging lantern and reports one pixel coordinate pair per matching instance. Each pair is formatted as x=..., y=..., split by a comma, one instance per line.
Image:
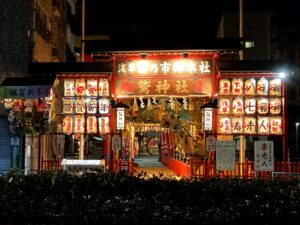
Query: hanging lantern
x=224, y=87
x=238, y=106
x=250, y=125
x=91, y=124
x=69, y=88
x=67, y=125
x=276, y=125
x=149, y=105
x=275, y=106
x=135, y=106
x=224, y=106
x=237, y=86
x=263, y=125
x=275, y=87
x=80, y=87
x=91, y=106
x=103, y=105
x=103, y=123
x=237, y=124
x=262, y=86
x=68, y=105
x=250, y=86
x=80, y=106
x=92, y=88
x=103, y=87
x=79, y=123
x=262, y=106
x=224, y=125
x=250, y=105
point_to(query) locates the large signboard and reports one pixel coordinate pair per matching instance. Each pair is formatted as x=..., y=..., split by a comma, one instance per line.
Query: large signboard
x=15, y=92
x=264, y=155
x=225, y=155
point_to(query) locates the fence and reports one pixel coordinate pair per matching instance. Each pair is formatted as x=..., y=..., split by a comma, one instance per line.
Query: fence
x=50, y=164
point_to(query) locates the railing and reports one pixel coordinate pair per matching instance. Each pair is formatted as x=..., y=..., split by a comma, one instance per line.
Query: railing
x=181, y=168
x=50, y=164
x=117, y=165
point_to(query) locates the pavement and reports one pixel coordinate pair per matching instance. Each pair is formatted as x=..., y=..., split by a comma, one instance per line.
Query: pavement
x=150, y=165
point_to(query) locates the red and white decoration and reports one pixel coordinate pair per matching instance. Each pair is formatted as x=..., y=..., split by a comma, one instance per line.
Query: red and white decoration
x=237, y=86
x=80, y=87
x=224, y=87
x=224, y=106
x=238, y=106
x=67, y=125
x=103, y=122
x=92, y=88
x=91, y=124
x=79, y=124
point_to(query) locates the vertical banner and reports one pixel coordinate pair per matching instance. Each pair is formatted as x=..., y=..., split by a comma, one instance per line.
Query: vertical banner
x=225, y=155
x=263, y=155
x=210, y=144
x=116, y=143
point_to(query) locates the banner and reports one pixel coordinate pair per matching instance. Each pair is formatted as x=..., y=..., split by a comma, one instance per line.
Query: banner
x=225, y=155
x=263, y=156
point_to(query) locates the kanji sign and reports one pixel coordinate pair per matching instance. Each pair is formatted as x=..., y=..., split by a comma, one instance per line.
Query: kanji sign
x=263, y=155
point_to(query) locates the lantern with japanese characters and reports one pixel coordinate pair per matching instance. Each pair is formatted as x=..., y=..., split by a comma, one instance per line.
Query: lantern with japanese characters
x=91, y=124
x=262, y=106
x=238, y=106
x=80, y=87
x=224, y=87
x=250, y=105
x=224, y=126
x=263, y=125
x=67, y=125
x=103, y=106
x=80, y=106
x=224, y=106
x=91, y=106
x=276, y=125
x=250, y=125
x=69, y=88
x=92, y=88
x=103, y=123
x=275, y=87
x=103, y=87
x=275, y=106
x=237, y=124
x=262, y=87
x=250, y=86
x=237, y=86
x=68, y=105
x=79, y=124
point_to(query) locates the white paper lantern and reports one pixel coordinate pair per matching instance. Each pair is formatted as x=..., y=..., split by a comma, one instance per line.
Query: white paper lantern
x=224, y=106
x=92, y=88
x=250, y=105
x=237, y=124
x=91, y=106
x=263, y=125
x=103, y=123
x=80, y=106
x=250, y=86
x=91, y=124
x=276, y=125
x=79, y=124
x=262, y=87
x=275, y=87
x=67, y=125
x=237, y=86
x=68, y=106
x=103, y=106
x=224, y=125
x=262, y=106
x=69, y=88
x=275, y=106
x=238, y=106
x=250, y=125
x=224, y=87
x=103, y=87
x=80, y=87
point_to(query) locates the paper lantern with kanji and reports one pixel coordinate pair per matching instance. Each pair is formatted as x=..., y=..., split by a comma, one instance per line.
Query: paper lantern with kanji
x=224, y=106
x=103, y=123
x=276, y=125
x=275, y=106
x=237, y=86
x=262, y=87
x=250, y=125
x=91, y=106
x=69, y=88
x=263, y=125
x=250, y=86
x=103, y=87
x=92, y=88
x=262, y=106
x=80, y=106
x=91, y=124
x=224, y=125
x=250, y=105
x=80, y=87
x=224, y=87
x=79, y=124
x=275, y=87
x=67, y=125
x=237, y=124
x=238, y=106
x=68, y=105
x=103, y=105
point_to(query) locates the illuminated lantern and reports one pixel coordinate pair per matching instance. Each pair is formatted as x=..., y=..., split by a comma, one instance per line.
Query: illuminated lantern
x=224, y=125
x=262, y=106
x=69, y=89
x=80, y=87
x=275, y=106
x=224, y=87
x=238, y=106
x=275, y=125
x=103, y=105
x=91, y=106
x=275, y=87
x=103, y=87
x=250, y=105
x=250, y=87
x=237, y=125
x=249, y=125
x=79, y=123
x=263, y=125
x=103, y=123
x=67, y=125
x=262, y=86
x=224, y=106
x=92, y=88
x=91, y=124
x=68, y=105
x=80, y=106
x=237, y=86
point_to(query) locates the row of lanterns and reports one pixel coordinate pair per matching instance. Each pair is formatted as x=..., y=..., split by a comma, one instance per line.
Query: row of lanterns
x=81, y=87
